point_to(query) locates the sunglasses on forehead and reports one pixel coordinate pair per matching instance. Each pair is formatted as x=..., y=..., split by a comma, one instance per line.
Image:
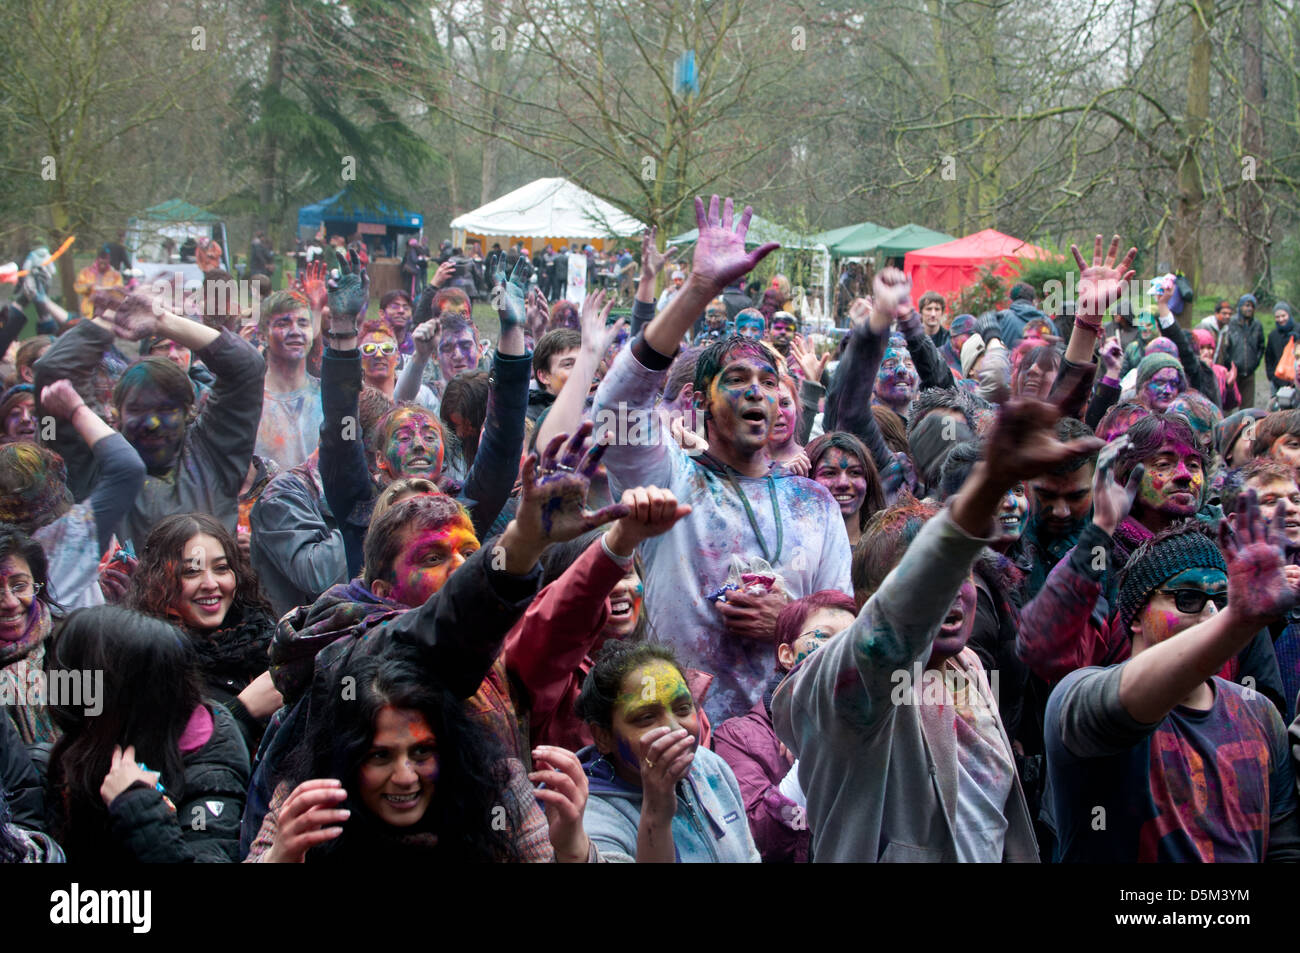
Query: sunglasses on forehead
x=386, y=348
x=1192, y=601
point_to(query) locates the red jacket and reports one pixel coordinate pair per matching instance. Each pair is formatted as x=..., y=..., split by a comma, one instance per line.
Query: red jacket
x=749, y=745
x=548, y=652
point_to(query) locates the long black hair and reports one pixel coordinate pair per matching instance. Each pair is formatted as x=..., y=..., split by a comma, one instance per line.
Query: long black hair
x=604, y=683
x=150, y=689
x=472, y=776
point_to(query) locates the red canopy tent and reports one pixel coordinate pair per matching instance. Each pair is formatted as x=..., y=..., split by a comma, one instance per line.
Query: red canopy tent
x=950, y=267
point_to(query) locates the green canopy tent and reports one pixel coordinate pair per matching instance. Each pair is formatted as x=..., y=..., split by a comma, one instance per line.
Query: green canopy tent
x=853, y=241
x=906, y=238
x=762, y=231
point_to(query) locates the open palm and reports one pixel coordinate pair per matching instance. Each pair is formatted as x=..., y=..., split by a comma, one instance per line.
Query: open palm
x=1102, y=282
x=720, y=256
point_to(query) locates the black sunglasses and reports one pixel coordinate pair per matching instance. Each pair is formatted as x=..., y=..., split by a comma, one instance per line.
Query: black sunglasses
x=1192, y=601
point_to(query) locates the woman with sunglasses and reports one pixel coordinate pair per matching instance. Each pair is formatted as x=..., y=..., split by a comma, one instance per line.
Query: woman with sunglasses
x=379, y=361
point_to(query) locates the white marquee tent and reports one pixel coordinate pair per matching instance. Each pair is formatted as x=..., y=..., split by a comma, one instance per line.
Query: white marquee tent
x=545, y=208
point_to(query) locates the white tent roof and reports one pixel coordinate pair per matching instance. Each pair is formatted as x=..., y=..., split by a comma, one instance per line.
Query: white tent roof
x=548, y=208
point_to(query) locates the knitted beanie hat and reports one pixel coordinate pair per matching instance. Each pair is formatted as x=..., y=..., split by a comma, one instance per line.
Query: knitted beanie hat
x=13, y=395
x=1158, y=560
x=962, y=324
x=1163, y=345
x=1156, y=362
x=971, y=352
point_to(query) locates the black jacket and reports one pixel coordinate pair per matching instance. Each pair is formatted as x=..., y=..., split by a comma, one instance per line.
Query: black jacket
x=20, y=785
x=1277, y=341
x=203, y=828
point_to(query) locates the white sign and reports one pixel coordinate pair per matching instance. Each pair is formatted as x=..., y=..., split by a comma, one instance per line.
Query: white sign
x=577, y=288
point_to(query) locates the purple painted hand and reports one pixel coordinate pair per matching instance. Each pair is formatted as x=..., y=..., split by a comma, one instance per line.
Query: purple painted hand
x=553, y=501
x=720, y=256
x=1259, y=591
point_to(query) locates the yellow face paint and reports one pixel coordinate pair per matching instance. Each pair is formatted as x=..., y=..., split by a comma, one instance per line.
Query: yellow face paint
x=655, y=683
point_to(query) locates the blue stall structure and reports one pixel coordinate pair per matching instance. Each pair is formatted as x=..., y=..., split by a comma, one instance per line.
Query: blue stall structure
x=384, y=229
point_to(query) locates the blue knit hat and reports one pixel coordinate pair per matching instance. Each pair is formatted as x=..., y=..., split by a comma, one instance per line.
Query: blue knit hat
x=1186, y=546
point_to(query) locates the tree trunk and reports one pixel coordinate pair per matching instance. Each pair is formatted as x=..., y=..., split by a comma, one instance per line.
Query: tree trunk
x=1254, y=222
x=1190, y=200
x=274, y=81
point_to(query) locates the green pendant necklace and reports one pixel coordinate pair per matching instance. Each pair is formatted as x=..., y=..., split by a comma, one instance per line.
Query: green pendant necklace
x=753, y=521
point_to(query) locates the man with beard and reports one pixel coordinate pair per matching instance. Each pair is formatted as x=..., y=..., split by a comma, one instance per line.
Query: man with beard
x=740, y=508
x=784, y=327
x=1173, y=480
x=291, y=407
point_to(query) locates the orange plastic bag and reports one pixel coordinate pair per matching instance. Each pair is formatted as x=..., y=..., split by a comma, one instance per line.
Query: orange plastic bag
x=1285, y=370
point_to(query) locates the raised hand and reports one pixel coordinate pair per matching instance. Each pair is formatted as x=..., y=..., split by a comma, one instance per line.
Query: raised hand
x=596, y=335
x=720, y=257
x=134, y=316
x=1112, y=357
x=861, y=311
x=313, y=285
x=553, y=502
x=539, y=312
x=510, y=297
x=1259, y=591
x=652, y=259
x=1023, y=442
x=115, y=577
x=651, y=512
x=425, y=338
x=309, y=816
x=446, y=271
x=806, y=357
x=61, y=399
x=1111, y=502
x=1102, y=282
x=892, y=291
x=564, y=798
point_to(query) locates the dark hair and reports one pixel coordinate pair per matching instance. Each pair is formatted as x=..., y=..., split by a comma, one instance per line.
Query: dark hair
x=1147, y=435
x=713, y=358
x=174, y=383
x=796, y=613
x=1040, y=355
x=1264, y=469
x=14, y=542
x=1023, y=291
x=1120, y=418
x=604, y=683
x=681, y=372
x=472, y=765
x=1223, y=303
x=467, y=394
x=391, y=296
x=1067, y=429
x=150, y=691
x=944, y=398
x=931, y=297
x=387, y=537
x=550, y=344
x=891, y=428
x=156, y=583
x=1270, y=428
x=842, y=440
x=564, y=314
x=30, y=350
x=883, y=543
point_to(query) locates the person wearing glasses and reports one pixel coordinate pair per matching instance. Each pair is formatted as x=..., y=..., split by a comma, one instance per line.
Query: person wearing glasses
x=1160, y=759
x=379, y=360
x=25, y=626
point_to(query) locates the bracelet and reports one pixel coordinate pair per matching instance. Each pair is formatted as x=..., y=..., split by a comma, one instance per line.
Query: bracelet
x=339, y=335
x=73, y=416
x=1087, y=325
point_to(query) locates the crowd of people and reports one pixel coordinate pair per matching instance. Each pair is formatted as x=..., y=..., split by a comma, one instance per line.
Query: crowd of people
x=343, y=580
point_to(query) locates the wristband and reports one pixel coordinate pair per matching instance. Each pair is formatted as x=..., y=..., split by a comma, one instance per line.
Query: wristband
x=624, y=562
x=1086, y=325
x=73, y=416
x=339, y=335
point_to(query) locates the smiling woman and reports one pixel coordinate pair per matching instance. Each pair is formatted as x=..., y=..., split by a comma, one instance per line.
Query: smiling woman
x=192, y=573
